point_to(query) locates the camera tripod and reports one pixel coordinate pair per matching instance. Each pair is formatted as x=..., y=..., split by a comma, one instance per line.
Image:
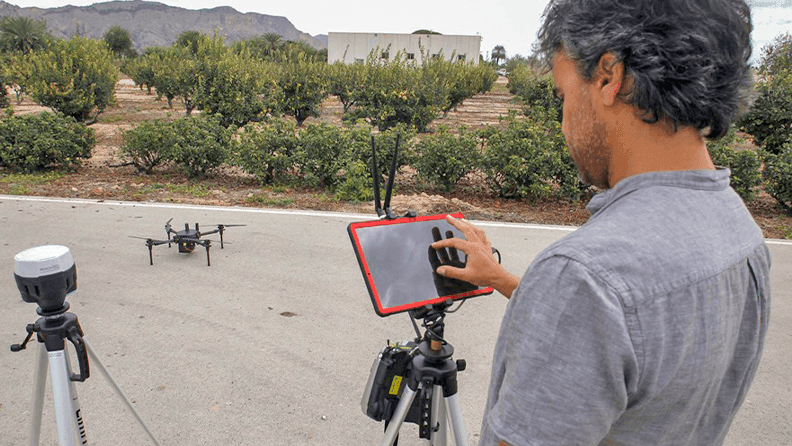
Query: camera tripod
x=433, y=379
x=52, y=329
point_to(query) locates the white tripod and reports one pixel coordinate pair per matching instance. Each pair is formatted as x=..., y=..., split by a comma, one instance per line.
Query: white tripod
x=46, y=275
x=52, y=330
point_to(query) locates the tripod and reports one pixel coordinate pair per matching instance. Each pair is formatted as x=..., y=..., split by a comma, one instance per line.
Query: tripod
x=52, y=329
x=433, y=379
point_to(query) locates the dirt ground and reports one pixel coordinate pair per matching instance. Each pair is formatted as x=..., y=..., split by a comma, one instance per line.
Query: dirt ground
x=99, y=179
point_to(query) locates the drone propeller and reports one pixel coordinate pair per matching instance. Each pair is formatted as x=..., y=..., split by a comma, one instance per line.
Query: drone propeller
x=220, y=229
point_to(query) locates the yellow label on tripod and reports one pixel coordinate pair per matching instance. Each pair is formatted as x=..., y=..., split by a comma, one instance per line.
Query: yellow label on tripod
x=395, y=385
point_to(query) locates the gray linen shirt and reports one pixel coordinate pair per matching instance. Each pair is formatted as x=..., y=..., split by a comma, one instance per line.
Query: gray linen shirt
x=643, y=327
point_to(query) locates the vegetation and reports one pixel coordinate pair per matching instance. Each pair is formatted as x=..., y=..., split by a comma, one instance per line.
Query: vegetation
x=445, y=158
x=33, y=143
x=23, y=34
x=195, y=144
x=76, y=77
x=255, y=98
x=119, y=42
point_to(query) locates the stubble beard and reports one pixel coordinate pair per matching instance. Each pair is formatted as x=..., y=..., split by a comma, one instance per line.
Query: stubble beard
x=587, y=146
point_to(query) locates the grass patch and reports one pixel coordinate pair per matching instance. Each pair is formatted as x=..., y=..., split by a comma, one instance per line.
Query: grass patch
x=21, y=183
x=193, y=190
x=149, y=188
x=500, y=89
x=270, y=201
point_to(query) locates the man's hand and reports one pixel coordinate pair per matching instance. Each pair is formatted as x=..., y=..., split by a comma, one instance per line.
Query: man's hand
x=447, y=286
x=480, y=268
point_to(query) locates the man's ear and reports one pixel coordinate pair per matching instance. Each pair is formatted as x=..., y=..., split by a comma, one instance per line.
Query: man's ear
x=609, y=78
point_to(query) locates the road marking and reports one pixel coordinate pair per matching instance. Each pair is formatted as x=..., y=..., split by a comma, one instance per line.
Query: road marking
x=350, y=216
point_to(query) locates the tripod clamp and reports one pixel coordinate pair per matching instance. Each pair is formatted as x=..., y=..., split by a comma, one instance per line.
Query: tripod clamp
x=433, y=366
x=52, y=329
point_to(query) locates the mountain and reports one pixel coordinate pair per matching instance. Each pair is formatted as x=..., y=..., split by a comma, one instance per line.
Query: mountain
x=156, y=24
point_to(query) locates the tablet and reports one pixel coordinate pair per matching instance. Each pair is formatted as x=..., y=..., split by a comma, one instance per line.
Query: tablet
x=395, y=258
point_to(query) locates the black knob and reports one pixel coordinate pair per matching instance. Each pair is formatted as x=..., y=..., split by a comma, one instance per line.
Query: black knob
x=461, y=365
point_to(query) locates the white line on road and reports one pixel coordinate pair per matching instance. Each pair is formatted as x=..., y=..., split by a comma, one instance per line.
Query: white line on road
x=350, y=216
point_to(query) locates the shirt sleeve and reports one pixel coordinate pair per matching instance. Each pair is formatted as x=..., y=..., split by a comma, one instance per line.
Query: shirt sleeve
x=563, y=361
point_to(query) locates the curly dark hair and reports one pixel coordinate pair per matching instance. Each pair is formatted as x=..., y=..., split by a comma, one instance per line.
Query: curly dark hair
x=688, y=59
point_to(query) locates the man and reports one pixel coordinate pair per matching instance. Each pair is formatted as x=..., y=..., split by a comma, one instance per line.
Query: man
x=646, y=325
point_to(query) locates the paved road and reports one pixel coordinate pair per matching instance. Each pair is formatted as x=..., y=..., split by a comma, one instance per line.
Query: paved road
x=273, y=343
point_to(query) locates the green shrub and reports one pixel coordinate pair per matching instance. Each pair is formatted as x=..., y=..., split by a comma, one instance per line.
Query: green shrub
x=36, y=142
x=778, y=175
x=267, y=150
x=149, y=144
x=745, y=165
x=444, y=158
x=769, y=120
x=356, y=185
x=384, y=142
x=535, y=90
x=202, y=143
x=529, y=159
x=322, y=154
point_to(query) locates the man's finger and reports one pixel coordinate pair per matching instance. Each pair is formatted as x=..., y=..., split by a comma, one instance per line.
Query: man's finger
x=451, y=272
x=470, y=231
x=457, y=243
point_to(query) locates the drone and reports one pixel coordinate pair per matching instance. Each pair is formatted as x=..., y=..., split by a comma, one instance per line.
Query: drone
x=186, y=240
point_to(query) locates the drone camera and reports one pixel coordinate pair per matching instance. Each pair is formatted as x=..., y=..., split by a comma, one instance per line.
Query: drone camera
x=46, y=275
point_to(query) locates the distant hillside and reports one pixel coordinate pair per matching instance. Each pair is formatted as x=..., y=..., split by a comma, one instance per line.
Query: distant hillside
x=157, y=24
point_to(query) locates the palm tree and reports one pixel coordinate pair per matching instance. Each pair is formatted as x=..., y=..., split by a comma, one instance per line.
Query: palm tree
x=22, y=34
x=273, y=43
x=498, y=53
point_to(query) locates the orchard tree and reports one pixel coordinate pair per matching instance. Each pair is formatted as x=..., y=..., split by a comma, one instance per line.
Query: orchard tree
x=76, y=77
x=119, y=42
x=174, y=76
x=345, y=80
x=190, y=39
x=304, y=84
x=237, y=86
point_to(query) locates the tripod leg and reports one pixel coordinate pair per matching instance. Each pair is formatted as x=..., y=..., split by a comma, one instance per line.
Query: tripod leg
x=408, y=395
x=39, y=384
x=455, y=418
x=67, y=410
x=95, y=359
x=438, y=437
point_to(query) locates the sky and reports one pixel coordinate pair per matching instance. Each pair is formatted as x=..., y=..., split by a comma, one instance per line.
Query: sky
x=510, y=23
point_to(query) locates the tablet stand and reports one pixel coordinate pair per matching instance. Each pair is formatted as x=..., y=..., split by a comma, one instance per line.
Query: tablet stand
x=433, y=374
x=433, y=379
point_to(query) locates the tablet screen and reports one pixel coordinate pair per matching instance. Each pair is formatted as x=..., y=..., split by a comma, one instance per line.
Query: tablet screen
x=394, y=258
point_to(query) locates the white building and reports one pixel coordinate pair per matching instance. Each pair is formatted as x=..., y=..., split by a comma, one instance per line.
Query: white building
x=356, y=47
